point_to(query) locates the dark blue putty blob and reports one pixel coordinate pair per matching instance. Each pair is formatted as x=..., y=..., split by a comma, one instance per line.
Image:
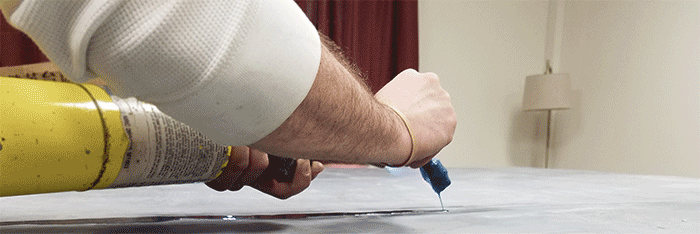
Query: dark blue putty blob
x=436, y=175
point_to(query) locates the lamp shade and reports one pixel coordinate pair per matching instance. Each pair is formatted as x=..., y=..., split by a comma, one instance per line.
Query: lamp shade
x=547, y=92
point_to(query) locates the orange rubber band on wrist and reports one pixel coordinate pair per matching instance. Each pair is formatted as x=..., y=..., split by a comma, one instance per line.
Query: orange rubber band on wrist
x=410, y=133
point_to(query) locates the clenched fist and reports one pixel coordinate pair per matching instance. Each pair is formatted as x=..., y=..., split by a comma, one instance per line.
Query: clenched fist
x=427, y=108
x=247, y=164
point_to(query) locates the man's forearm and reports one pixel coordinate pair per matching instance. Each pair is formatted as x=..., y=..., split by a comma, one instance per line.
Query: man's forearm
x=340, y=120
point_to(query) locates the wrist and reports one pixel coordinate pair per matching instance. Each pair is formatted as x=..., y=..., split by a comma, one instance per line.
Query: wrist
x=401, y=153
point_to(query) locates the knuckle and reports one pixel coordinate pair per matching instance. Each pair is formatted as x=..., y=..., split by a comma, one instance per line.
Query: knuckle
x=258, y=166
x=241, y=158
x=407, y=73
x=240, y=165
x=431, y=76
x=448, y=136
x=265, y=160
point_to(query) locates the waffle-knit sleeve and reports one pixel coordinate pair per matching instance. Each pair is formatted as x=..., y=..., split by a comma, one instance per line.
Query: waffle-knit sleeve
x=234, y=70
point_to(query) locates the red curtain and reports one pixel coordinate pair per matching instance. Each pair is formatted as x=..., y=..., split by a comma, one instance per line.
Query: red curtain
x=16, y=48
x=380, y=36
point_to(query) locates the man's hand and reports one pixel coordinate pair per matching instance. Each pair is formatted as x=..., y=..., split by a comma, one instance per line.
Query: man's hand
x=427, y=107
x=247, y=164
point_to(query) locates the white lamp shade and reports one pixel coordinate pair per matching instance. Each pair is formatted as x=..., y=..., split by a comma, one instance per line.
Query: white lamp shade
x=547, y=92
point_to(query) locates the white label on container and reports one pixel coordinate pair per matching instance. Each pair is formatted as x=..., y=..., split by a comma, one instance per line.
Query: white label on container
x=163, y=150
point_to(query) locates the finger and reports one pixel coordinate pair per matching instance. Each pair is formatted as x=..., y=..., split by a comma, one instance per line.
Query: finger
x=316, y=168
x=238, y=162
x=302, y=179
x=239, y=167
x=257, y=162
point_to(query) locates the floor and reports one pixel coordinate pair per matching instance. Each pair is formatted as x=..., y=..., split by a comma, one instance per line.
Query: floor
x=373, y=200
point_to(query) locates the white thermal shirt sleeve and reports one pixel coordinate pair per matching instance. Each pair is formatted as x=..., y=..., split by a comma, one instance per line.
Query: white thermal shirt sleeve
x=233, y=69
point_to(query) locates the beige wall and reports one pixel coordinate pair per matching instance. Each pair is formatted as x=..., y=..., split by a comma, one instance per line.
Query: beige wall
x=482, y=52
x=635, y=72
x=634, y=68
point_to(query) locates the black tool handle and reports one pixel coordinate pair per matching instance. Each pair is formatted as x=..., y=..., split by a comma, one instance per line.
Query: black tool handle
x=279, y=168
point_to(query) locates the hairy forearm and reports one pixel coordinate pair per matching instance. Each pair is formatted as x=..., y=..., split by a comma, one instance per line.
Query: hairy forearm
x=340, y=120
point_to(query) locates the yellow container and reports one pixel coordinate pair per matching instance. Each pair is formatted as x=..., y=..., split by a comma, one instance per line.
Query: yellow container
x=57, y=137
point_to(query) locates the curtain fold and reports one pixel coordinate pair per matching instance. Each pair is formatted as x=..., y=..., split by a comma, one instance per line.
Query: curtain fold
x=380, y=36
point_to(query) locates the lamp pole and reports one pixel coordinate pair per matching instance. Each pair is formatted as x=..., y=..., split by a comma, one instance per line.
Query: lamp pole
x=546, y=151
x=547, y=92
x=548, y=70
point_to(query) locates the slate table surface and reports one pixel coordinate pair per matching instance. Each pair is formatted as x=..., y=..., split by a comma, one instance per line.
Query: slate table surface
x=371, y=200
